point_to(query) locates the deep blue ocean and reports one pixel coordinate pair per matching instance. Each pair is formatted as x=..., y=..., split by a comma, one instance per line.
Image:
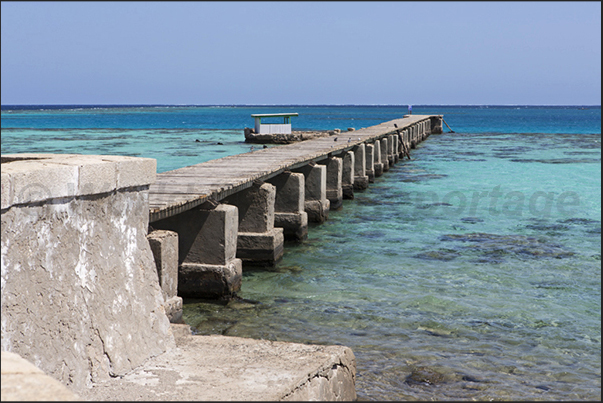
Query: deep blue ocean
x=476, y=262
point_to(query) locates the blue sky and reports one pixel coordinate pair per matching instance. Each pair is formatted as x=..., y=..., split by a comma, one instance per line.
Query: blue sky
x=532, y=53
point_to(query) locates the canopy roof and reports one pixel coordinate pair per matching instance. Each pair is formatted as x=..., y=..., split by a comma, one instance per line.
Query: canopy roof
x=272, y=115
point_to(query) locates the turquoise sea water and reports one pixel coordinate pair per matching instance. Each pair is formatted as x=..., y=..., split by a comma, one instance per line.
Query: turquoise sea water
x=477, y=262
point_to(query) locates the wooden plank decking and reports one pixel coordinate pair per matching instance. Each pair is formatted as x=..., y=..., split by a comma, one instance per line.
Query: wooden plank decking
x=182, y=189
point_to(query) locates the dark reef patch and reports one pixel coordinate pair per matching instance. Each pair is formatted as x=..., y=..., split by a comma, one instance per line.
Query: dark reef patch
x=471, y=220
x=444, y=255
x=493, y=247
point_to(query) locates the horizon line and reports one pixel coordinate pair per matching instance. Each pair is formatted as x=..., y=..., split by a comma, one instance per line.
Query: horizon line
x=154, y=104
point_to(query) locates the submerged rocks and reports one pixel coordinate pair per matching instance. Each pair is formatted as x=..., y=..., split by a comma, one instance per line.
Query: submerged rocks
x=441, y=254
x=424, y=376
x=493, y=245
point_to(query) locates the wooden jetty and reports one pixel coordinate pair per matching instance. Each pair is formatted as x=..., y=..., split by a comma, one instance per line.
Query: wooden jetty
x=240, y=209
x=182, y=189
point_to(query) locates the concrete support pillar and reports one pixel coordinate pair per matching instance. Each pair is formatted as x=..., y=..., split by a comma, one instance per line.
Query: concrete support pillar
x=370, y=162
x=334, y=181
x=413, y=136
x=377, y=164
x=436, y=124
x=384, y=158
x=396, y=147
x=259, y=243
x=164, y=245
x=403, y=143
x=207, y=246
x=428, y=127
x=399, y=141
x=316, y=205
x=390, y=150
x=347, y=177
x=289, y=205
x=361, y=181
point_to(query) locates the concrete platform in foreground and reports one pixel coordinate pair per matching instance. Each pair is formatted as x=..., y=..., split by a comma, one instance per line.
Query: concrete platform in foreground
x=235, y=368
x=23, y=381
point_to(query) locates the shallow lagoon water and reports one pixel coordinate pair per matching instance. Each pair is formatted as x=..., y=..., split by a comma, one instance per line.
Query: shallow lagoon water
x=501, y=299
x=471, y=271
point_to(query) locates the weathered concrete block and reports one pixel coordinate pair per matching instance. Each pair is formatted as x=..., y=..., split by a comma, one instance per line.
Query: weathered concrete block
x=413, y=137
x=384, y=157
x=206, y=235
x=256, y=207
x=210, y=281
x=261, y=249
x=318, y=210
x=80, y=292
x=96, y=175
x=316, y=203
x=133, y=171
x=164, y=245
x=258, y=241
x=390, y=150
x=370, y=162
x=334, y=181
x=289, y=205
x=396, y=147
x=436, y=124
x=347, y=176
x=377, y=164
x=361, y=180
x=294, y=225
x=36, y=180
x=30, y=178
x=207, y=249
x=290, y=192
x=315, y=181
x=405, y=140
x=7, y=190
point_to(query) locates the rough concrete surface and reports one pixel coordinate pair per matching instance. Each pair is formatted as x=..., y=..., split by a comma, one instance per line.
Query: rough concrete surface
x=164, y=245
x=23, y=381
x=28, y=178
x=80, y=292
x=235, y=368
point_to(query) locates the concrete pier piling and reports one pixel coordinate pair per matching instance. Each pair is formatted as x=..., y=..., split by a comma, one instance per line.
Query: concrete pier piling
x=289, y=205
x=436, y=123
x=259, y=242
x=390, y=150
x=370, y=162
x=377, y=164
x=316, y=203
x=361, y=180
x=384, y=156
x=395, y=148
x=164, y=245
x=334, y=181
x=207, y=248
x=347, y=177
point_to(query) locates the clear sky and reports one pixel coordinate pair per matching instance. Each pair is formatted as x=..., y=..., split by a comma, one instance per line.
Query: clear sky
x=223, y=53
